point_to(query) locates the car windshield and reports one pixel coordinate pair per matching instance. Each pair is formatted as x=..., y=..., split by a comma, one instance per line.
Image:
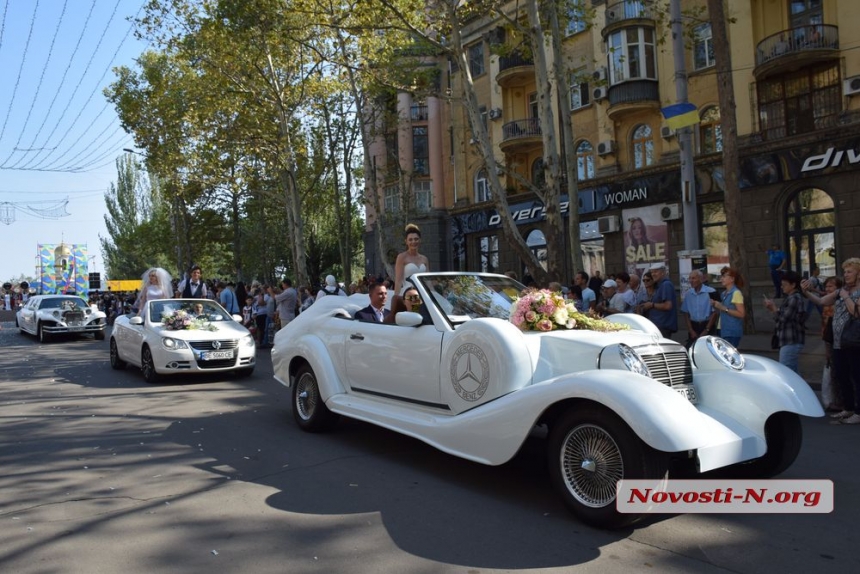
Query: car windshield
x=465, y=297
x=65, y=303
x=194, y=308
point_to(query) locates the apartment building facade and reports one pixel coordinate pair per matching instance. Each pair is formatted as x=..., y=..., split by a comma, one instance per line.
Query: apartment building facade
x=796, y=74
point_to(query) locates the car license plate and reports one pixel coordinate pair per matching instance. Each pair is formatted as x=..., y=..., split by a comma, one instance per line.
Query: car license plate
x=214, y=355
x=688, y=393
x=75, y=328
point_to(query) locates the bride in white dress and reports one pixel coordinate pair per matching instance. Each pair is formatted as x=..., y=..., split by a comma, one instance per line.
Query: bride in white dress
x=410, y=261
x=156, y=283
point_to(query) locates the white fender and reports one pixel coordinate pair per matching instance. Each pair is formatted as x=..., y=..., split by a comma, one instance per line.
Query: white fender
x=313, y=350
x=481, y=361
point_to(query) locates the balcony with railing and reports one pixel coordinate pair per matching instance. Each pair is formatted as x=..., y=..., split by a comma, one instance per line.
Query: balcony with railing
x=521, y=135
x=627, y=12
x=796, y=47
x=633, y=96
x=515, y=70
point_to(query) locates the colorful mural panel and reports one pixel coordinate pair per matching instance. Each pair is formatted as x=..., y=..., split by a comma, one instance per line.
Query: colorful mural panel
x=63, y=268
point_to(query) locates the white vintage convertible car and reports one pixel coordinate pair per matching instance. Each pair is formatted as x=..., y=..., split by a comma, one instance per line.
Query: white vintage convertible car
x=625, y=404
x=47, y=315
x=182, y=336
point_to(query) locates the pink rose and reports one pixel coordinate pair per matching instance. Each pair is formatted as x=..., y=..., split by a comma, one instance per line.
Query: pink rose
x=531, y=316
x=544, y=325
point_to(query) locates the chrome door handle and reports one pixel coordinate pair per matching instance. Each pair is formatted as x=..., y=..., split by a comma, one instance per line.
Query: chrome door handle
x=357, y=337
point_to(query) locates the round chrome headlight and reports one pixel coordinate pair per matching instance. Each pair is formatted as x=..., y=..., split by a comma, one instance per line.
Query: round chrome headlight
x=171, y=344
x=725, y=353
x=632, y=360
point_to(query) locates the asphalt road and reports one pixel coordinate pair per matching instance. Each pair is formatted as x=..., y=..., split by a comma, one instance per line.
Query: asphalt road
x=101, y=472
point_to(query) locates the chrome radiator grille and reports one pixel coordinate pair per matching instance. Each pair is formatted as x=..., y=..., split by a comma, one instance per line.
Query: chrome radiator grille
x=670, y=367
x=210, y=346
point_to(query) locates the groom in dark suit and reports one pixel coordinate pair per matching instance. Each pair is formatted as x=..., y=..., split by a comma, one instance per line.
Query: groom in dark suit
x=376, y=311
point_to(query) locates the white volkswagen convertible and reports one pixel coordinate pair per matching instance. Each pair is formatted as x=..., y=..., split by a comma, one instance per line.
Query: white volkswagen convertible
x=460, y=376
x=181, y=336
x=48, y=315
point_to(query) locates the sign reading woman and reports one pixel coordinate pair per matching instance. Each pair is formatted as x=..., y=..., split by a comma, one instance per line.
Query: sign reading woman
x=645, y=239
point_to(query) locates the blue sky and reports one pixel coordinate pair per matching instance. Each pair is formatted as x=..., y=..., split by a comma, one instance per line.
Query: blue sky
x=59, y=137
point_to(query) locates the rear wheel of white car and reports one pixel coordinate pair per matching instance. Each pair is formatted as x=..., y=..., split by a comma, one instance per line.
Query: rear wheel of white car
x=115, y=361
x=590, y=450
x=41, y=334
x=784, y=435
x=309, y=409
x=147, y=366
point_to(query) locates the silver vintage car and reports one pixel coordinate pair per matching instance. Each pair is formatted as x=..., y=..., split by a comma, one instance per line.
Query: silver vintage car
x=47, y=315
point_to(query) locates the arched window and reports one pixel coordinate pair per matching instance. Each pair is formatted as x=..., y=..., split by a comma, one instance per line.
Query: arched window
x=811, y=227
x=710, y=131
x=482, y=186
x=538, y=173
x=584, y=160
x=642, y=146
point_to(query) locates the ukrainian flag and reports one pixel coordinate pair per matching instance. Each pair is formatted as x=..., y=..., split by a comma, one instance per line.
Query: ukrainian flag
x=680, y=115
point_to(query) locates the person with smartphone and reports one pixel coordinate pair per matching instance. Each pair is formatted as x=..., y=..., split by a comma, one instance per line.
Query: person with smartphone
x=789, y=319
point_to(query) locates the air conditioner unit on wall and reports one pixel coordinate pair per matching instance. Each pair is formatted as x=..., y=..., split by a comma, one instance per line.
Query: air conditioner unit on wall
x=599, y=93
x=670, y=212
x=600, y=74
x=666, y=132
x=606, y=147
x=608, y=224
x=495, y=113
x=851, y=86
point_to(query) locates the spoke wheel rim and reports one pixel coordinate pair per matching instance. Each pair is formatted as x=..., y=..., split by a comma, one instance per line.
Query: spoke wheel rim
x=113, y=352
x=306, y=396
x=591, y=465
x=148, y=365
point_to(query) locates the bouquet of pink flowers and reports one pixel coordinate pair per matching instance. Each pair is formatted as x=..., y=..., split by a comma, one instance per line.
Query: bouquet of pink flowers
x=543, y=310
x=181, y=320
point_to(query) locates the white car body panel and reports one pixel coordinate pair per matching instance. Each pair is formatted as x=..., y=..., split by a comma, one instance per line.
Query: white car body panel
x=130, y=339
x=44, y=309
x=476, y=389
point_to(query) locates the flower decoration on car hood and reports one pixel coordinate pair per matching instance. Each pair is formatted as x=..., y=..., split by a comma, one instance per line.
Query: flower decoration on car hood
x=543, y=310
x=182, y=320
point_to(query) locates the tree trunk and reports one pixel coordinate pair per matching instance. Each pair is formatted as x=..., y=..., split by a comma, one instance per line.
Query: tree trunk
x=731, y=163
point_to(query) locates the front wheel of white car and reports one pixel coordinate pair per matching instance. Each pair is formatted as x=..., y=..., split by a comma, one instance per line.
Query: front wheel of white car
x=147, y=366
x=309, y=409
x=115, y=361
x=590, y=450
x=43, y=336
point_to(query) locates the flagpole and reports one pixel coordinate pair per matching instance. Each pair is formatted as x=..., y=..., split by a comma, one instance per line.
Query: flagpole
x=685, y=134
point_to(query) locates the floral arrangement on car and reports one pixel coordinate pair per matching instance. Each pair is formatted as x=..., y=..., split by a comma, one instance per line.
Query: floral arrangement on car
x=544, y=310
x=182, y=320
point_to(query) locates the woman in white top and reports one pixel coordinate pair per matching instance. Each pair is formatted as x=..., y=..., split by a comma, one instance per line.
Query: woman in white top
x=156, y=283
x=410, y=261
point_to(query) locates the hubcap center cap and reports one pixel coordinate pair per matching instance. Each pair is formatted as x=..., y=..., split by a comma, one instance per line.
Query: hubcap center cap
x=589, y=465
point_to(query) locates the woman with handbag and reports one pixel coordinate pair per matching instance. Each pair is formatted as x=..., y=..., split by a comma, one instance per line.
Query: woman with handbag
x=789, y=319
x=846, y=339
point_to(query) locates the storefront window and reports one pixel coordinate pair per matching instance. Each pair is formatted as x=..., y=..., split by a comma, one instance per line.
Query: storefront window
x=714, y=237
x=591, y=247
x=488, y=247
x=537, y=243
x=811, y=225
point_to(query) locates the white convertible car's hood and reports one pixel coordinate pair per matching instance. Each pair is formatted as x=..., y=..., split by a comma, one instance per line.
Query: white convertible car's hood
x=225, y=331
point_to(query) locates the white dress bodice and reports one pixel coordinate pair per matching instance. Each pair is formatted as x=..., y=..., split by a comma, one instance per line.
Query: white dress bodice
x=411, y=268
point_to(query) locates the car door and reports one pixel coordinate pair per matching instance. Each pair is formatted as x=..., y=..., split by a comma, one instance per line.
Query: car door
x=394, y=361
x=28, y=312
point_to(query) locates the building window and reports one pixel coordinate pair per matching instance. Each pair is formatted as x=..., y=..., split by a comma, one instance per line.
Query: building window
x=577, y=19
x=533, y=105
x=476, y=59
x=800, y=102
x=538, y=173
x=392, y=199
x=579, y=94
x=584, y=160
x=703, y=47
x=643, y=146
x=482, y=186
x=420, y=151
x=488, y=248
x=631, y=55
x=423, y=191
x=805, y=12
x=710, y=131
